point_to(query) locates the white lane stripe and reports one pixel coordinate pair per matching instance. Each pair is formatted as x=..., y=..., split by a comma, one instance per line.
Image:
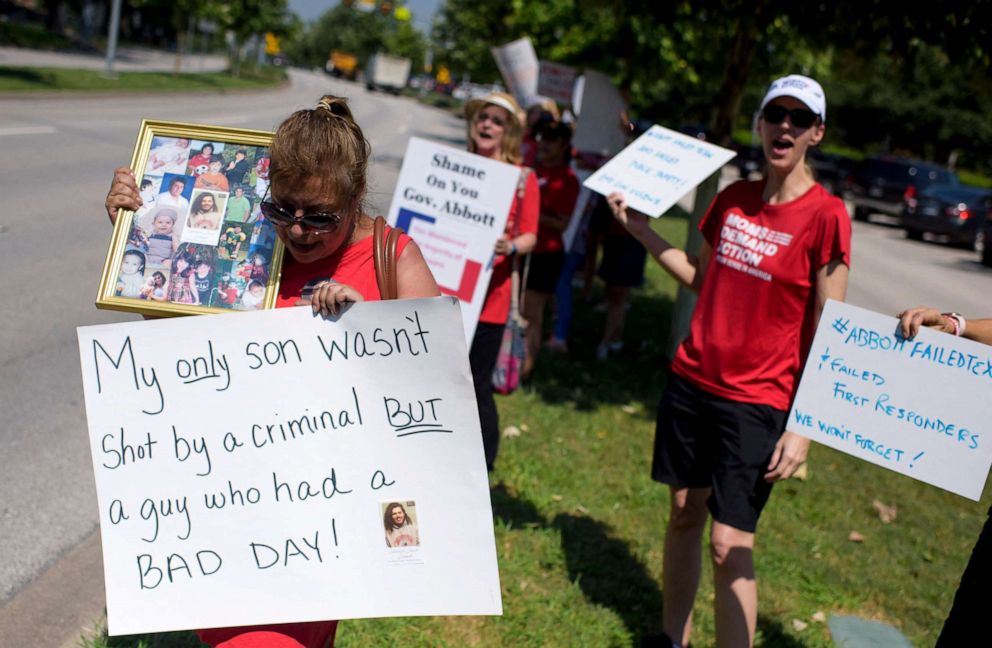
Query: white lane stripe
x=28, y=130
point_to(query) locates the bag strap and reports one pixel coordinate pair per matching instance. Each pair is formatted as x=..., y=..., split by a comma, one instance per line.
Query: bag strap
x=516, y=302
x=384, y=257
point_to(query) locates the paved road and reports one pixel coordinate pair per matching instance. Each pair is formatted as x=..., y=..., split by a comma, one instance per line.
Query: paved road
x=128, y=59
x=57, y=162
x=890, y=272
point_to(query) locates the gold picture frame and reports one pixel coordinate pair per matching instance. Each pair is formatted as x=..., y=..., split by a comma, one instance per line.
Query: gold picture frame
x=199, y=244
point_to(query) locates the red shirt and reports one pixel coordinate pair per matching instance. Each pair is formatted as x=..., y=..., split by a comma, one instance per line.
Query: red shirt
x=352, y=265
x=559, y=191
x=496, y=308
x=754, y=320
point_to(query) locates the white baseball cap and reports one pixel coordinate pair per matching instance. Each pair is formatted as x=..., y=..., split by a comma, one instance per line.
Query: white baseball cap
x=798, y=87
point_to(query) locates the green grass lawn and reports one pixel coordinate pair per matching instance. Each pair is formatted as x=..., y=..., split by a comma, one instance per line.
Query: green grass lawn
x=579, y=522
x=20, y=79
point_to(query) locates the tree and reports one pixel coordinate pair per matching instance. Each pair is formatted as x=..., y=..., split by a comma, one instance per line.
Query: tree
x=246, y=19
x=465, y=31
x=359, y=33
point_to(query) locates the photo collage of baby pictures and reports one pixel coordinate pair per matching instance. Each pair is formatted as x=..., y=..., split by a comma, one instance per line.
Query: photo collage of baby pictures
x=200, y=237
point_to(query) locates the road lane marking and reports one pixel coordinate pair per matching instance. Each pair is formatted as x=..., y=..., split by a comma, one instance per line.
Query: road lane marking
x=27, y=130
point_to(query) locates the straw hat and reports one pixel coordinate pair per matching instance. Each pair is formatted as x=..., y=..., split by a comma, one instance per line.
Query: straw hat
x=501, y=99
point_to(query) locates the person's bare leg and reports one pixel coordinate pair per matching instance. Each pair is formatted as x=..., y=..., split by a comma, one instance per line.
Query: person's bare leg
x=734, y=586
x=534, y=304
x=682, y=561
x=616, y=301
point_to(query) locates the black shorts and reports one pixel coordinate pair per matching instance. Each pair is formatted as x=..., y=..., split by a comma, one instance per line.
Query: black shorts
x=545, y=268
x=623, y=261
x=704, y=441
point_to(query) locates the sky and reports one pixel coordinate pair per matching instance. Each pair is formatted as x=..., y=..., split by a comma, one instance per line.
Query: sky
x=423, y=10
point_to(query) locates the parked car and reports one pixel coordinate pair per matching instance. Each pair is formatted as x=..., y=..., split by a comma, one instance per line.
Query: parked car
x=831, y=170
x=750, y=159
x=882, y=184
x=987, y=240
x=955, y=211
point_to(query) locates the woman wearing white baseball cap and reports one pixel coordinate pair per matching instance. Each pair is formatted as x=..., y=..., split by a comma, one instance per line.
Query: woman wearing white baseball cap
x=775, y=250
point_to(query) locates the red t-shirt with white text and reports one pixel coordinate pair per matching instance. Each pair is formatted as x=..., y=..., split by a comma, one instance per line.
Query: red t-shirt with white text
x=754, y=320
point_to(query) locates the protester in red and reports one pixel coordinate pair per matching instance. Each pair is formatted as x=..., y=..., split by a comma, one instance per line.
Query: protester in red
x=539, y=114
x=319, y=159
x=775, y=250
x=495, y=127
x=559, y=191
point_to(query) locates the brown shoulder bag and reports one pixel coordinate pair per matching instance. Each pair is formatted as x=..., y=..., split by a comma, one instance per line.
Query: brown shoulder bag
x=384, y=256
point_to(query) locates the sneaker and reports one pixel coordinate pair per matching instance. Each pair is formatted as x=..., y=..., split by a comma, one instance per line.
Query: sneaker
x=557, y=344
x=615, y=345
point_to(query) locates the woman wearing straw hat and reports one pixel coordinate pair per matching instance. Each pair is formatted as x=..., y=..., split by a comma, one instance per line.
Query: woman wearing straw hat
x=495, y=128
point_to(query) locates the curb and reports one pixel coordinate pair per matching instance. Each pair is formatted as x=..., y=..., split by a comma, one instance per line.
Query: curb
x=61, y=604
x=31, y=95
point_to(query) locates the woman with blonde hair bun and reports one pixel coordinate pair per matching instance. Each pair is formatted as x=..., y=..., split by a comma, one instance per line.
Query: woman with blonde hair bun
x=319, y=160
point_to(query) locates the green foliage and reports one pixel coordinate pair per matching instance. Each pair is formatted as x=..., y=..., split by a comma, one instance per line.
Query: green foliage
x=925, y=105
x=464, y=33
x=359, y=33
x=15, y=34
x=899, y=77
x=58, y=79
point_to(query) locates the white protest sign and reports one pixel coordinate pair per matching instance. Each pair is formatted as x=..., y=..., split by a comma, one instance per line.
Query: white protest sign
x=244, y=465
x=598, y=104
x=556, y=81
x=454, y=204
x=658, y=168
x=517, y=62
x=920, y=407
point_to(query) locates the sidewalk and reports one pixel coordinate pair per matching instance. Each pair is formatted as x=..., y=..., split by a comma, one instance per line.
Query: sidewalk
x=129, y=59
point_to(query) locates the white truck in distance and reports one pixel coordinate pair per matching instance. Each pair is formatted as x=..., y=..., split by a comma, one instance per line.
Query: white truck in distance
x=385, y=72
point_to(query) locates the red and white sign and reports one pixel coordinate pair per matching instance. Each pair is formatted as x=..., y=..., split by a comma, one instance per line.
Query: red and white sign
x=556, y=81
x=454, y=204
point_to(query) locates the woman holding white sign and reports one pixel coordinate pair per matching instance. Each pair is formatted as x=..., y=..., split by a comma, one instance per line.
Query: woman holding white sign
x=319, y=159
x=495, y=128
x=775, y=250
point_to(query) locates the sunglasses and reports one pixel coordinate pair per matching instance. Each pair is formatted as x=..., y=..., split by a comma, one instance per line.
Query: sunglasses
x=800, y=117
x=481, y=117
x=316, y=221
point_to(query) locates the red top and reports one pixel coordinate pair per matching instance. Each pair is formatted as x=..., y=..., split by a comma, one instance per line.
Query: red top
x=496, y=308
x=352, y=265
x=754, y=320
x=559, y=191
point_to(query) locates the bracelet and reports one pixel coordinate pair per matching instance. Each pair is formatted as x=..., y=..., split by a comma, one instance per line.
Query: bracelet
x=513, y=249
x=958, y=320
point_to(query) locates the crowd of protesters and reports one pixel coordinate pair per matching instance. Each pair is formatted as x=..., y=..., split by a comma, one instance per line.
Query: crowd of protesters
x=721, y=440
